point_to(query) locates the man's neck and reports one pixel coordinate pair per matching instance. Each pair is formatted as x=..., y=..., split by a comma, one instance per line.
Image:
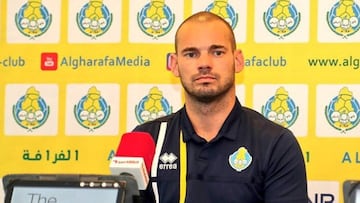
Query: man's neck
x=208, y=118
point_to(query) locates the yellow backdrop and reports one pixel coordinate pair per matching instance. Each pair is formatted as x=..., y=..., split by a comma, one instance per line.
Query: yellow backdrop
x=62, y=51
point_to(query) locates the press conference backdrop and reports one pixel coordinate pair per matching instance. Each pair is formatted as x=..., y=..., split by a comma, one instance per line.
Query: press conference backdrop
x=75, y=75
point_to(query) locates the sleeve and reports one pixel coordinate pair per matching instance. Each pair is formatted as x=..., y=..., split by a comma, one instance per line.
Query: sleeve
x=285, y=179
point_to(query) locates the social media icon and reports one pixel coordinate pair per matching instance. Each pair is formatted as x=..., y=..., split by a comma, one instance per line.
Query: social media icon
x=49, y=61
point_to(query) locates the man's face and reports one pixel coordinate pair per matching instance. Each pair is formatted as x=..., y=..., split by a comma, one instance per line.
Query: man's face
x=205, y=60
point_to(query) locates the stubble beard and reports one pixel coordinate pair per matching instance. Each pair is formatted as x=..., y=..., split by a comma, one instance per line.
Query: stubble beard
x=206, y=94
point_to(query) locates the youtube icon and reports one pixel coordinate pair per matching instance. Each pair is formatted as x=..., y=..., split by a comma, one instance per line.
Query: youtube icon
x=49, y=61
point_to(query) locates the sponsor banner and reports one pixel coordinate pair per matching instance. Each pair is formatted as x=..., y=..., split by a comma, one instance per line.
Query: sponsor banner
x=76, y=75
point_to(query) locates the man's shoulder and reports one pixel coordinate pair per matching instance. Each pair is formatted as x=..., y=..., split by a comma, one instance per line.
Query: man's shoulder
x=154, y=125
x=254, y=115
x=259, y=122
x=167, y=118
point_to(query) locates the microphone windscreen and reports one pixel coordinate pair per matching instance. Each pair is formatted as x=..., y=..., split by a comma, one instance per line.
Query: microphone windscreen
x=137, y=144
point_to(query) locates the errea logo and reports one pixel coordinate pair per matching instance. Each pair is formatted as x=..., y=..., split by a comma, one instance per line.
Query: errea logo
x=168, y=161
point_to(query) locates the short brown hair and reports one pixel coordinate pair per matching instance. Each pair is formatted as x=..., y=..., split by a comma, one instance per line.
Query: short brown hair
x=203, y=16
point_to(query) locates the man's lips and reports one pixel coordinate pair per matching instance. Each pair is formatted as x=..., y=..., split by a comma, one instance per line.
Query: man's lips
x=205, y=77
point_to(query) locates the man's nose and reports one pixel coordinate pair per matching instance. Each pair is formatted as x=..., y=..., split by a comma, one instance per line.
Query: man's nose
x=204, y=61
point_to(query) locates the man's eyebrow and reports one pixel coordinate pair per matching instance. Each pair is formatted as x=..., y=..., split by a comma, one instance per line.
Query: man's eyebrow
x=212, y=47
x=216, y=46
x=189, y=49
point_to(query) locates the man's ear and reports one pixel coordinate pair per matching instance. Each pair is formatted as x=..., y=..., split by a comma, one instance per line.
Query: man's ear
x=173, y=64
x=239, y=61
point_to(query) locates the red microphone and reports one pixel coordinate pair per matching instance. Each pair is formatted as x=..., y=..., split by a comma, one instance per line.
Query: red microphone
x=134, y=156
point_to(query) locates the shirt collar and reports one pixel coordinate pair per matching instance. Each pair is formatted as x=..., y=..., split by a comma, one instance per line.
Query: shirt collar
x=226, y=131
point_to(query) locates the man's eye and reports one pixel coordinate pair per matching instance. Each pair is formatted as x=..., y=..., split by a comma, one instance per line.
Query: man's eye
x=218, y=53
x=190, y=54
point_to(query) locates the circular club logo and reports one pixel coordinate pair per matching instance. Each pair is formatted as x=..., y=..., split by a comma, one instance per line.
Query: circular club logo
x=33, y=19
x=94, y=19
x=156, y=19
x=343, y=111
x=281, y=108
x=152, y=106
x=282, y=18
x=92, y=111
x=224, y=10
x=343, y=18
x=31, y=111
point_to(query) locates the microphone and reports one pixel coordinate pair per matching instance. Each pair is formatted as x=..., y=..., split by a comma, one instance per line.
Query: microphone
x=134, y=157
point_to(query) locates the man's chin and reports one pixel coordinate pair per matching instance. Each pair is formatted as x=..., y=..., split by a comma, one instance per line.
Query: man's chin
x=207, y=98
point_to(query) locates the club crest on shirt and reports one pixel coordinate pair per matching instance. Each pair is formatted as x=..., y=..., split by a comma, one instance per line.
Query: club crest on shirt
x=240, y=159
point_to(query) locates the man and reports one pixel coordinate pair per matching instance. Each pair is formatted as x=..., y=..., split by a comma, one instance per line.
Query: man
x=213, y=149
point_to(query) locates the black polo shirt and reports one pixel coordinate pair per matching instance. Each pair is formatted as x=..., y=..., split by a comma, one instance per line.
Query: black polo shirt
x=251, y=160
